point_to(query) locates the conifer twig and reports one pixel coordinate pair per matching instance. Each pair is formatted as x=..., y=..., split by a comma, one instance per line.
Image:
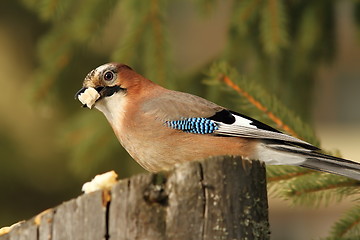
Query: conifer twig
x=342, y=234
x=347, y=227
x=328, y=187
x=288, y=176
x=259, y=106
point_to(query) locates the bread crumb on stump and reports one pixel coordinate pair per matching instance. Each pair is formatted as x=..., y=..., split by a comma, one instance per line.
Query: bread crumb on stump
x=100, y=182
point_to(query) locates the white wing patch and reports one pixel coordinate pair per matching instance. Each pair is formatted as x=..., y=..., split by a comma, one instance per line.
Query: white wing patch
x=240, y=121
x=243, y=127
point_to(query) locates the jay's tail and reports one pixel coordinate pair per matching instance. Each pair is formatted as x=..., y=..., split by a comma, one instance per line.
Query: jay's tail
x=282, y=154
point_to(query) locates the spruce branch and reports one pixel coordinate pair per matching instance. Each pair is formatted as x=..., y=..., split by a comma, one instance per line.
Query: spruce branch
x=263, y=101
x=273, y=26
x=56, y=48
x=89, y=19
x=48, y=8
x=278, y=174
x=320, y=189
x=348, y=226
x=55, y=52
x=302, y=186
x=156, y=59
x=246, y=10
x=310, y=188
x=146, y=36
x=279, y=123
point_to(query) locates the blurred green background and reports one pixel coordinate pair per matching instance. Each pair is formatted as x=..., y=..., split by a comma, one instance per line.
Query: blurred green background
x=305, y=53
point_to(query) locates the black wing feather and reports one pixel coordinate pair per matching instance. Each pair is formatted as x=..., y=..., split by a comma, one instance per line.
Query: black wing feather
x=227, y=117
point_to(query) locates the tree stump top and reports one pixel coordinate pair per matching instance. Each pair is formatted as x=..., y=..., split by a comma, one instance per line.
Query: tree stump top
x=219, y=198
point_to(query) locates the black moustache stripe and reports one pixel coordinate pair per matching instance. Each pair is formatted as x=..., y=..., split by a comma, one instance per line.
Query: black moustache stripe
x=108, y=91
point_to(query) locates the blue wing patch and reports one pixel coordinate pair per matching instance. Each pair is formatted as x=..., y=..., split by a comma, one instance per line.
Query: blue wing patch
x=194, y=125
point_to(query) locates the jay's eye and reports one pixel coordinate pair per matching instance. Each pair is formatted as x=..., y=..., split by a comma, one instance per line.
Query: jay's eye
x=108, y=76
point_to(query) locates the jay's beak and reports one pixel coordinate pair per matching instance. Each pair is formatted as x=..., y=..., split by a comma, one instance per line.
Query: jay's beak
x=88, y=99
x=103, y=91
x=79, y=92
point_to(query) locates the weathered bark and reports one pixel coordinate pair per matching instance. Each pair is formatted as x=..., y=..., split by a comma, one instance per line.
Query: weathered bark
x=219, y=198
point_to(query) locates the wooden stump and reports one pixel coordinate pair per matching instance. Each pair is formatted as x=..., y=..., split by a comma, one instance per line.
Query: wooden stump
x=219, y=198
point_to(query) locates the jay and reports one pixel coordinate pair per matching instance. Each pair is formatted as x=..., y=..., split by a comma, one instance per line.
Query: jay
x=160, y=128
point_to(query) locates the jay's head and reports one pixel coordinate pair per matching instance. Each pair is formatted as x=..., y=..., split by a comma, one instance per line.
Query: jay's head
x=105, y=81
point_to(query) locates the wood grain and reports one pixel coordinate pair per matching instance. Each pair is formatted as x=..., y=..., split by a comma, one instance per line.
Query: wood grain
x=219, y=198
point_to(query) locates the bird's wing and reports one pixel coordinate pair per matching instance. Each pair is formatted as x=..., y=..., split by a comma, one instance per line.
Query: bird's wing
x=194, y=114
x=172, y=105
x=235, y=124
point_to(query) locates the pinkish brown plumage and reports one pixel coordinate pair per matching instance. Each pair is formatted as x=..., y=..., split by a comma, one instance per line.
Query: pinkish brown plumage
x=160, y=128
